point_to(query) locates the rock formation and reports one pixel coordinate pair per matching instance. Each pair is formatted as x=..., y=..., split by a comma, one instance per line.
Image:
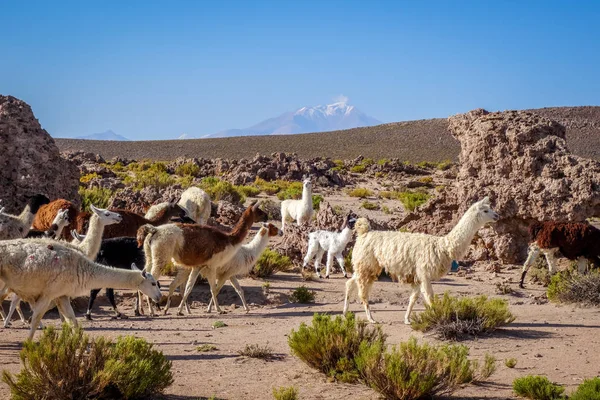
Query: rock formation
x=522, y=162
x=30, y=162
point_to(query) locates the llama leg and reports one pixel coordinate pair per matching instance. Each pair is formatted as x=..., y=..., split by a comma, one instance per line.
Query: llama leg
x=363, y=293
x=318, y=259
x=532, y=256
x=581, y=265
x=39, y=309
x=313, y=246
x=210, y=276
x=350, y=285
x=239, y=291
x=188, y=289
x=340, y=259
x=64, y=307
x=93, y=294
x=427, y=291
x=549, y=253
x=20, y=312
x=110, y=293
x=14, y=302
x=329, y=264
x=414, y=295
x=220, y=283
x=3, y=294
x=180, y=278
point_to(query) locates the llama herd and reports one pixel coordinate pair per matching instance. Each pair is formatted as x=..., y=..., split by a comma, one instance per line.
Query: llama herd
x=46, y=259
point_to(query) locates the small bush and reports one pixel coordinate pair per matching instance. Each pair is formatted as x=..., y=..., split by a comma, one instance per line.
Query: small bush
x=222, y=190
x=316, y=201
x=292, y=190
x=203, y=348
x=510, y=362
x=67, y=364
x=156, y=175
x=367, y=205
x=417, y=371
x=285, y=393
x=331, y=346
x=269, y=188
x=302, y=295
x=360, y=192
x=383, y=161
x=412, y=200
x=185, y=181
x=566, y=287
x=588, y=390
x=426, y=179
x=270, y=262
x=256, y=351
x=88, y=177
x=453, y=318
x=219, y=324
x=426, y=164
x=99, y=197
x=248, y=191
x=387, y=194
x=188, y=169
x=359, y=169
x=444, y=165
x=537, y=388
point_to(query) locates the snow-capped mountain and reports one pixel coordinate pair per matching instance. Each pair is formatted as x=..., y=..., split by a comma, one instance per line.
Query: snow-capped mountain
x=107, y=135
x=331, y=117
x=185, y=136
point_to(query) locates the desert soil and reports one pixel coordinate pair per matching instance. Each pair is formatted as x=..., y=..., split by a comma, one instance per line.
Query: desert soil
x=557, y=341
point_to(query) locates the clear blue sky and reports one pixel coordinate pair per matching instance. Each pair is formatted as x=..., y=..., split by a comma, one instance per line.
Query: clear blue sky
x=157, y=69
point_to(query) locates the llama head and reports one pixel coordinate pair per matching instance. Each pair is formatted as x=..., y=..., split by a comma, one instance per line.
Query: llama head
x=485, y=212
x=149, y=285
x=306, y=183
x=36, y=202
x=106, y=217
x=174, y=210
x=77, y=238
x=258, y=215
x=362, y=226
x=62, y=218
x=271, y=229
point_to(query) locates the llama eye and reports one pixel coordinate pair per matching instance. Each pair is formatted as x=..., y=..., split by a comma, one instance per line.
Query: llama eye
x=153, y=284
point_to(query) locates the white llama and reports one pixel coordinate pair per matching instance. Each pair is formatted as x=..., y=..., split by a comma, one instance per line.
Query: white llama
x=415, y=258
x=333, y=243
x=42, y=270
x=240, y=265
x=301, y=210
x=17, y=226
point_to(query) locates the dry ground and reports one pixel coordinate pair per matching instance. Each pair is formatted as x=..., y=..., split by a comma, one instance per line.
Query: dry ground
x=558, y=341
x=423, y=140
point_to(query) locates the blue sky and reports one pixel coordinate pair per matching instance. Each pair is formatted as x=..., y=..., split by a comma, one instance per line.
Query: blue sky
x=156, y=69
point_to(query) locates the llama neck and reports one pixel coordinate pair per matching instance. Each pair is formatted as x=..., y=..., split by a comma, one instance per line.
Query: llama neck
x=90, y=245
x=249, y=253
x=160, y=217
x=59, y=229
x=345, y=235
x=240, y=230
x=26, y=217
x=307, y=196
x=102, y=277
x=257, y=244
x=460, y=237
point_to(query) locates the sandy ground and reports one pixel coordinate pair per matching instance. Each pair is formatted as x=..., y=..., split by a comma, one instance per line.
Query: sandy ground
x=557, y=341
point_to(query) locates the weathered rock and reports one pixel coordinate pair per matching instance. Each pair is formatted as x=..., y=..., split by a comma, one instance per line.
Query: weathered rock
x=522, y=162
x=30, y=162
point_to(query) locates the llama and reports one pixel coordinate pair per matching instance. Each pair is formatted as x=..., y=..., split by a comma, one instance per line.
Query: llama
x=240, y=265
x=575, y=240
x=119, y=253
x=43, y=219
x=17, y=226
x=42, y=270
x=195, y=246
x=415, y=258
x=333, y=243
x=54, y=231
x=132, y=221
x=301, y=210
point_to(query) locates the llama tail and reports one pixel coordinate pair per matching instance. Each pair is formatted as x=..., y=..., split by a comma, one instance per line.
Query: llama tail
x=534, y=230
x=362, y=226
x=143, y=231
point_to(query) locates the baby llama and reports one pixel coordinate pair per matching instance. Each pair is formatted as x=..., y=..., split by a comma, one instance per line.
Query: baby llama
x=415, y=258
x=333, y=243
x=301, y=210
x=578, y=241
x=17, y=226
x=44, y=217
x=54, y=231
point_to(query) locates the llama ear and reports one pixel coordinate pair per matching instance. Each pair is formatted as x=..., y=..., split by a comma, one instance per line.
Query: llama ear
x=94, y=209
x=135, y=268
x=486, y=200
x=254, y=205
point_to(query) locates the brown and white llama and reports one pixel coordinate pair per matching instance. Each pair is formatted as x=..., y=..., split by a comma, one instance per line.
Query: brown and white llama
x=43, y=219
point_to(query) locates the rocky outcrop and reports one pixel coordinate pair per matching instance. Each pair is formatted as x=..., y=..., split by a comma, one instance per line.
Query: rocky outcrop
x=522, y=162
x=30, y=162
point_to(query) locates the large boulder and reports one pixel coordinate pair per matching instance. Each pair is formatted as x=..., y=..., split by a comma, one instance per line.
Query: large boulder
x=30, y=162
x=521, y=161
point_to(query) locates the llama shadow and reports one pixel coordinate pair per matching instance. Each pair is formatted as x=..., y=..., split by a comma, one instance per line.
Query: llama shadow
x=200, y=356
x=489, y=385
x=522, y=334
x=552, y=325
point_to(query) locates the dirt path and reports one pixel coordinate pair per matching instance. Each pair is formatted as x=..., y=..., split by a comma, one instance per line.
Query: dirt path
x=558, y=341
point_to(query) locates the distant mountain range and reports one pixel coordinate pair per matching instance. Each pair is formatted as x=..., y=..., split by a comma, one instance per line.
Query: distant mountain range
x=107, y=135
x=332, y=117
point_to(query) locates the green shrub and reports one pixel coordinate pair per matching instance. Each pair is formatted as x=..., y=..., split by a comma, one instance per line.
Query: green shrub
x=285, y=393
x=99, y=197
x=154, y=174
x=248, y=191
x=444, y=165
x=367, y=205
x=116, y=167
x=359, y=169
x=360, y=192
x=316, y=201
x=67, y=364
x=418, y=371
x=331, y=345
x=219, y=324
x=510, y=362
x=203, y=348
x=302, y=295
x=412, y=200
x=88, y=177
x=257, y=351
x=208, y=182
x=222, y=190
x=269, y=188
x=426, y=164
x=452, y=317
x=588, y=390
x=383, y=161
x=270, y=262
x=292, y=190
x=426, y=179
x=188, y=169
x=537, y=388
x=566, y=287
x=185, y=181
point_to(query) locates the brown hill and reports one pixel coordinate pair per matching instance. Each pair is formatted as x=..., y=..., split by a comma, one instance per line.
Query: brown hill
x=422, y=140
